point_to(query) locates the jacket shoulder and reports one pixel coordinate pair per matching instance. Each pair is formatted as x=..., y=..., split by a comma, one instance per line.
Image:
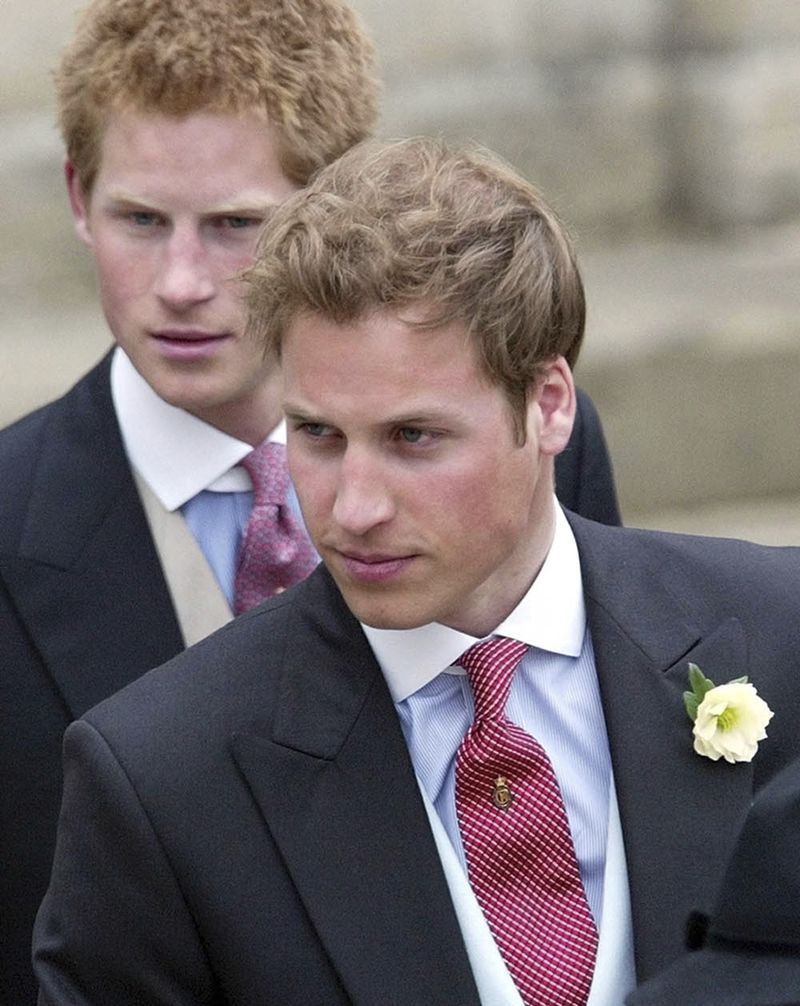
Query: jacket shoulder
x=20, y=451
x=700, y=572
x=49, y=451
x=213, y=680
x=234, y=679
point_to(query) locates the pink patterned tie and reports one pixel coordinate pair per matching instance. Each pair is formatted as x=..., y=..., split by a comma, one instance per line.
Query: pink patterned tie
x=521, y=860
x=275, y=551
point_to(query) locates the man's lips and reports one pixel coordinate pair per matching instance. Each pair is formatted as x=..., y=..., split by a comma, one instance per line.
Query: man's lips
x=189, y=344
x=188, y=335
x=374, y=567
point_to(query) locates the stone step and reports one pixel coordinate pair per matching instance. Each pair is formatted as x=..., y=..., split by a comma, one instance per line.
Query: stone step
x=768, y=520
x=693, y=358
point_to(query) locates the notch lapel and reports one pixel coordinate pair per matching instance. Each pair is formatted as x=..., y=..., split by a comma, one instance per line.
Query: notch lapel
x=680, y=812
x=86, y=579
x=338, y=793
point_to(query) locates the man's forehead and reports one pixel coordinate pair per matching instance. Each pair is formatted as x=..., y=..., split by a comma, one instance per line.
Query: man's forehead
x=421, y=321
x=385, y=350
x=217, y=163
x=381, y=372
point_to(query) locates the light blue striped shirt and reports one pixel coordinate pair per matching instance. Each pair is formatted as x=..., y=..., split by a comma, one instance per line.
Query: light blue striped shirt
x=554, y=696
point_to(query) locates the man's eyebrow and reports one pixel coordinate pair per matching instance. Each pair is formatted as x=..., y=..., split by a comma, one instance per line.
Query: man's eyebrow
x=246, y=206
x=416, y=418
x=292, y=411
x=237, y=207
x=119, y=197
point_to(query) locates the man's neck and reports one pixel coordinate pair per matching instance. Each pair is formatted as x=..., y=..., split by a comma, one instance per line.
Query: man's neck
x=499, y=595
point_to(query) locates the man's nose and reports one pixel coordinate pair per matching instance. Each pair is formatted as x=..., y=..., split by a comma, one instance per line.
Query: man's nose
x=185, y=277
x=363, y=499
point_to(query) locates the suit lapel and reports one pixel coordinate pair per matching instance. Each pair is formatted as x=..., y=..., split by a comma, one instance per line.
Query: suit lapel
x=90, y=541
x=680, y=812
x=338, y=793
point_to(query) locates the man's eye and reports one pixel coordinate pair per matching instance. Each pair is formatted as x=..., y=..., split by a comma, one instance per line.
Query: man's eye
x=235, y=223
x=142, y=218
x=415, y=435
x=316, y=429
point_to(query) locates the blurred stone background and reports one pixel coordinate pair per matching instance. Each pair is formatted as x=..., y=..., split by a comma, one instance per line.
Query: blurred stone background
x=666, y=132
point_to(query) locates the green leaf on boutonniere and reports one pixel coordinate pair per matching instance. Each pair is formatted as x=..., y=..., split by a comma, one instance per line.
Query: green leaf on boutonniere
x=700, y=684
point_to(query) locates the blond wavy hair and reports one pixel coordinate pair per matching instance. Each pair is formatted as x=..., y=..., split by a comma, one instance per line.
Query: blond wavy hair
x=421, y=223
x=306, y=64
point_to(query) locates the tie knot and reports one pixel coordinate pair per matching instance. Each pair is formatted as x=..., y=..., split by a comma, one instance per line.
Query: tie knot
x=267, y=468
x=490, y=665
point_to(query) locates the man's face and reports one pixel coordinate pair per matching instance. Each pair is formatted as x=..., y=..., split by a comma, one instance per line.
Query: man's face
x=412, y=485
x=172, y=218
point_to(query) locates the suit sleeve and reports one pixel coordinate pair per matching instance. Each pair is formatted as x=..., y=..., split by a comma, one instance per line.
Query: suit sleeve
x=584, y=476
x=113, y=929
x=32, y=721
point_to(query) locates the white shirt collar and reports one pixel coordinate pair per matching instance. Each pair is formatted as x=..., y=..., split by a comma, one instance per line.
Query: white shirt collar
x=177, y=454
x=551, y=616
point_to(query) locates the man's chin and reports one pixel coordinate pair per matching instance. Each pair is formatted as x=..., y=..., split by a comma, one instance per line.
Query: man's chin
x=384, y=612
x=393, y=623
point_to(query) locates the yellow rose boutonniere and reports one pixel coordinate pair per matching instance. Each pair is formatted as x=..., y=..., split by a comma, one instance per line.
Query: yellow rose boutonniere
x=729, y=720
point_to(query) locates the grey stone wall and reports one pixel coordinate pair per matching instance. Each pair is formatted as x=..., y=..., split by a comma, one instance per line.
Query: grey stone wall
x=631, y=114
x=667, y=133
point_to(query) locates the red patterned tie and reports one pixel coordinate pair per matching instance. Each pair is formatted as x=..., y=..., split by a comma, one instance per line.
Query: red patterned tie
x=521, y=860
x=275, y=551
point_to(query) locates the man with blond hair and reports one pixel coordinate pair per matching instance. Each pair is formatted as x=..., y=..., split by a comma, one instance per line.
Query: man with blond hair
x=123, y=503
x=454, y=765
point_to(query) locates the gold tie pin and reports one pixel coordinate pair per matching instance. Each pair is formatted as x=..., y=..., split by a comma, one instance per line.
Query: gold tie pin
x=502, y=796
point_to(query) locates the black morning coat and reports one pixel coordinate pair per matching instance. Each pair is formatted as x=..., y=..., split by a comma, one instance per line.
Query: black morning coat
x=84, y=610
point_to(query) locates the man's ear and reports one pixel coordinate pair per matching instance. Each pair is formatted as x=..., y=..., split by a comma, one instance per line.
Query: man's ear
x=552, y=408
x=78, y=202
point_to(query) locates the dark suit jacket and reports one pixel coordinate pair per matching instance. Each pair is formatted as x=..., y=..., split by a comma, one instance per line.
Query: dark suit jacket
x=84, y=609
x=243, y=825
x=747, y=953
